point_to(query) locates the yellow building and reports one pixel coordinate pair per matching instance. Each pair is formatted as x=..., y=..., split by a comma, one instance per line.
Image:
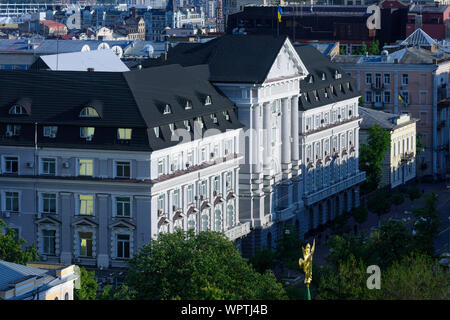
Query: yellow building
x=400, y=161
x=37, y=281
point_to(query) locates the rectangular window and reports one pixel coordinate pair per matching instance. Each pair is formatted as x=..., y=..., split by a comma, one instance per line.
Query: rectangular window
x=405, y=79
x=190, y=193
x=50, y=132
x=368, y=78
x=48, y=166
x=12, y=201
x=49, y=241
x=124, y=134
x=161, y=202
x=87, y=132
x=229, y=180
x=368, y=96
x=85, y=167
x=11, y=165
x=217, y=184
x=378, y=80
x=123, y=207
x=405, y=96
x=86, y=203
x=377, y=98
x=123, y=246
x=203, y=155
x=228, y=147
x=85, y=244
x=387, y=78
x=48, y=202
x=176, y=199
x=190, y=157
x=387, y=97
x=13, y=129
x=203, y=188
x=123, y=169
x=161, y=166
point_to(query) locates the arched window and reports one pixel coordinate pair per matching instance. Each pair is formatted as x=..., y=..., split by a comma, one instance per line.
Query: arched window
x=17, y=109
x=218, y=220
x=230, y=215
x=208, y=100
x=89, y=112
x=66, y=296
x=205, y=220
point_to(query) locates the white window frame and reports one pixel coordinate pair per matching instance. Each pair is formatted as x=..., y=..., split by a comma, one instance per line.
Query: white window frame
x=115, y=168
x=126, y=133
x=4, y=164
x=50, y=131
x=19, y=204
x=78, y=204
x=41, y=202
x=115, y=206
x=79, y=169
x=41, y=167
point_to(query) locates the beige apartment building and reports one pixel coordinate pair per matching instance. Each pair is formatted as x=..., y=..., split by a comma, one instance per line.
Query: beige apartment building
x=399, y=164
x=412, y=79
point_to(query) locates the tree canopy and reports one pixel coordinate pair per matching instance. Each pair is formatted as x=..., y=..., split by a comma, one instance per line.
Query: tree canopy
x=88, y=286
x=11, y=247
x=184, y=265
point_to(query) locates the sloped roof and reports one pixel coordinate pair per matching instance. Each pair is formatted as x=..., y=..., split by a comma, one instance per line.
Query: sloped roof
x=133, y=99
x=419, y=38
x=11, y=272
x=231, y=58
x=383, y=119
x=99, y=60
x=321, y=79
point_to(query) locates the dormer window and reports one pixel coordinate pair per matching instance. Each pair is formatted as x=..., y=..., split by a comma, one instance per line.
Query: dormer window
x=323, y=76
x=124, y=133
x=171, y=127
x=188, y=105
x=167, y=109
x=186, y=125
x=208, y=100
x=310, y=79
x=87, y=132
x=17, y=110
x=156, y=130
x=200, y=122
x=13, y=130
x=50, y=131
x=326, y=94
x=89, y=112
x=226, y=115
x=214, y=118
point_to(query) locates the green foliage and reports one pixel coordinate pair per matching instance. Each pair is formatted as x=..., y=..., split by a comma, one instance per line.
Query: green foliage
x=296, y=293
x=361, y=101
x=372, y=155
x=183, y=265
x=360, y=214
x=392, y=242
x=342, y=51
x=363, y=49
x=427, y=225
x=88, y=287
x=374, y=48
x=415, y=277
x=288, y=247
x=413, y=192
x=397, y=197
x=379, y=203
x=342, y=247
x=340, y=224
x=11, y=248
x=263, y=260
x=348, y=282
x=122, y=292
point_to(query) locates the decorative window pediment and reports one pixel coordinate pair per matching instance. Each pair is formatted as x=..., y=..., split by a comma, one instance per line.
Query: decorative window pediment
x=17, y=109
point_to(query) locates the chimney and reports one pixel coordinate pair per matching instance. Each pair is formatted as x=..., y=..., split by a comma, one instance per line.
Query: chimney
x=90, y=69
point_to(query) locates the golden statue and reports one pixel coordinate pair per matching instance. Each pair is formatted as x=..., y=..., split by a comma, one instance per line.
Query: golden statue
x=306, y=262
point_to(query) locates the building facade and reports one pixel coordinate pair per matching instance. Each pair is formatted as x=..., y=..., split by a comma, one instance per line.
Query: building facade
x=94, y=187
x=399, y=165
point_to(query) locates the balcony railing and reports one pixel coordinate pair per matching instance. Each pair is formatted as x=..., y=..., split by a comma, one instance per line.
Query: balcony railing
x=238, y=231
x=335, y=188
x=283, y=214
x=407, y=156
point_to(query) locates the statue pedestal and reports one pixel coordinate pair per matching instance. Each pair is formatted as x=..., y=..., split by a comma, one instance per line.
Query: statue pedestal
x=307, y=293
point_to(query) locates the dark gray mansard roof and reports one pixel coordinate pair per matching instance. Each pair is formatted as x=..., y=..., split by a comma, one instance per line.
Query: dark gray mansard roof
x=231, y=58
x=318, y=67
x=134, y=99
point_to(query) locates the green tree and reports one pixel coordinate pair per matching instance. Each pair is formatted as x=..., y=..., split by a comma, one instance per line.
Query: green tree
x=342, y=51
x=427, y=224
x=372, y=155
x=88, y=286
x=264, y=259
x=122, y=292
x=397, y=197
x=363, y=49
x=342, y=247
x=184, y=265
x=348, y=282
x=340, y=224
x=360, y=214
x=288, y=247
x=361, y=101
x=11, y=247
x=392, y=242
x=413, y=192
x=419, y=143
x=379, y=203
x=416, y=277
x=374, y=48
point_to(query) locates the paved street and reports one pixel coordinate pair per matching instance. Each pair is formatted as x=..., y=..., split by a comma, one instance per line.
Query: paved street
x=403, y=211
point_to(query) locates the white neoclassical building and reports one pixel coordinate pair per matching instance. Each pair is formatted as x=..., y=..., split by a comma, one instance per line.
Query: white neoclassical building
x=278, y=89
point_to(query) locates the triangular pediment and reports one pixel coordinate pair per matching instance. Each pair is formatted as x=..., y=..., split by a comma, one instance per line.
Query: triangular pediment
x=287, y=64
x=85, y=222
x=122, y=224
x=48, y=220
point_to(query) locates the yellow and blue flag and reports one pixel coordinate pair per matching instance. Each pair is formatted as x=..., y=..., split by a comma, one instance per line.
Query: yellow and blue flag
x=401, y=98
x=280, y=12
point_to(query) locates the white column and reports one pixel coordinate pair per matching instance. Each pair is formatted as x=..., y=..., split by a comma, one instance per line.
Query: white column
x=257, y=126
x=285, y=134
x=294, y=133
x=267, y=126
